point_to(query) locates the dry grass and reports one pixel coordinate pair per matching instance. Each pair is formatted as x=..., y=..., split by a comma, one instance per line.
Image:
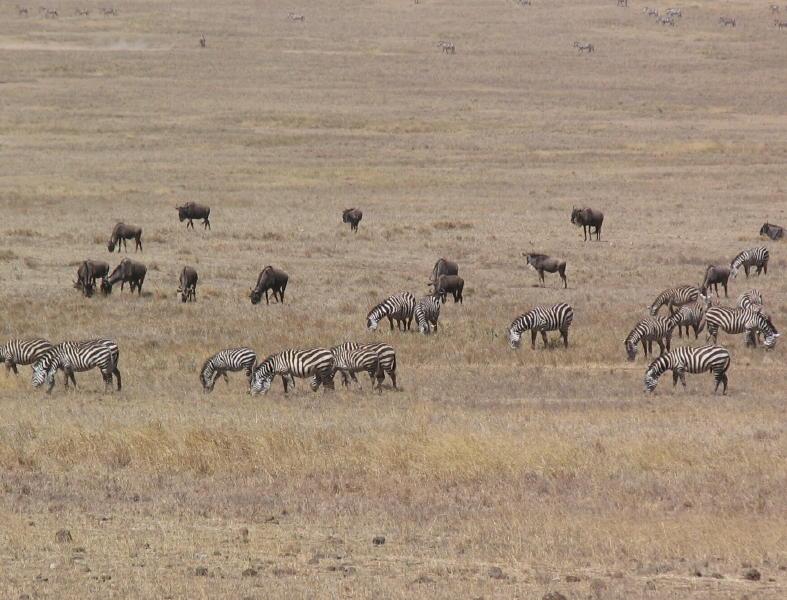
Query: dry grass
x=492, y=473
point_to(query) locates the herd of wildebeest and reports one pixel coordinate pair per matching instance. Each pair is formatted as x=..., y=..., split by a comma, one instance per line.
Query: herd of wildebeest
x=690, y=307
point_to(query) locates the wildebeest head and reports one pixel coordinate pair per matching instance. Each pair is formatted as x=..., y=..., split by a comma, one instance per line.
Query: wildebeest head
x=111, y=245
x=575, y=212
x=182, y=212
x=106, y=287
x=346, y=215
x=255, y=296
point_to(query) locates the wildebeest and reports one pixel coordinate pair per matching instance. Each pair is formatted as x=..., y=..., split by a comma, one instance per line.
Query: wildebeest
x=542, y=262
x=715, y=275
x=270, y=278
x=587, y=218
x=123, y=232
x=188, y=284
x=443, y=267
x=128, y=271
x=352, y=216
x=450, y=284
x=775, y=232
x=192, y=210
x=88, y=272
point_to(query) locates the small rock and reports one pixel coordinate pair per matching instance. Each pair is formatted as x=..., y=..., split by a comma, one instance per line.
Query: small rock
x=283, y=571
x=63, y=537
x=105, y=577
x=250, y=572
x=423, y=579
x=24, y=597
x=553, y=596
x=650, y=585
x=696, y=573
x=244, y=535
x=378, y=540
x=496, y=573
x=273, y=520
x=752, y=574
x=25, y=492
x=201, y=572
x=717, y=576
x=572, y=578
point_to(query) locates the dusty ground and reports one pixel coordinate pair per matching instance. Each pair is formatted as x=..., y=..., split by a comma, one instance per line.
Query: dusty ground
x=493, y=473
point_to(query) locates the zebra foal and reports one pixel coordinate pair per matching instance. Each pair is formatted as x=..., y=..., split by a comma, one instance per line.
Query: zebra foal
x=71, y=357
x=690, y=360
x=541, y=318
x=22, y=352
x=314, y=363
x=231, y=359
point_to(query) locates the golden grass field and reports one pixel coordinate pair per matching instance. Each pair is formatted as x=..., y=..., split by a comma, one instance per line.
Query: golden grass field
x=493, y=473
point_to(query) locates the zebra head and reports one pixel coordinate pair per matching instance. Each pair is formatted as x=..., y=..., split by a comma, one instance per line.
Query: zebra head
x=651, y=379
x=261, y=378
x=372, y=322
x=768, y=330
x=514, y=338
x=42, y=372
x=631, y=350
x=207, y=377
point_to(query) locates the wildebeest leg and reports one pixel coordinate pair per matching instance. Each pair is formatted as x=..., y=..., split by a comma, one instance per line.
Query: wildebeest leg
x=724, y=285
x=541, y=277
x=562, y=273
x=139, y=244
x=585, y=232
x=533, y=339
x=544, y=337
x=190, y=224
x=206, y=223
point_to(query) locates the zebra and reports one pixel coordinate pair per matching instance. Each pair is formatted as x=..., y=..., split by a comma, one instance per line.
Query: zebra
x=725, y=21
x=753, y=257
x=231, y=359
x=447, y=47
x=296, y=17
x=427, y=312
x=693, y=360
x=22, y=352
x=315, y=363
x=741, y=320
x=385, y=352
x=349, y=361
x=399, y=307
x=51, y=13
x=109, y=12
x=674, y=12
x=674, y=298
x=80, y=356
x=690, y=316
x=667, y=21
x=751, y=299
x=647, y=331
x=651, y=12
x=774, y=9
x=623, y=3
x=543, y=319
x=82, y=12
x=584, y=47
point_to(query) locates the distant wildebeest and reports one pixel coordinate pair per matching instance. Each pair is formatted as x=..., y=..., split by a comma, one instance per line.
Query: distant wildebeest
x=725, y=21
x=443, y=267
x=588, y=218
x=775, y=232
x=542, y=262
x=270, y=278
x=122, y=232
x=192, y=210
x=22, y=11
x=88, y=272
x=450, y=284
x=352, y=216
x=131, y=272
x=715, y=275
x=187, y=287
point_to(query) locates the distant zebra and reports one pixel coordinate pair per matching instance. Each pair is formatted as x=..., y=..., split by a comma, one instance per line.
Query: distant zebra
x=750, y=299
x=753, y=257
x=727, y=21
x=231, y=359
x=349, y=361
x=71, y=357
x=584, y=47
x=774, y=9
x=447, y=47
x=543, y=319
x=427, y=313
x=82, y=12
x=647, y=331
x=741, y=320
x=23, y=12
x=51, y=13
x=22, y=352
x=399, y=307
x=674, y=298
x=314, y=363
x=692, y=360
x=203, y=42
x=674, y=12
x=667, y=21
x=109, y=12
x=296, y=17
x=623, y=3
x=651, y=12
x=690, y=316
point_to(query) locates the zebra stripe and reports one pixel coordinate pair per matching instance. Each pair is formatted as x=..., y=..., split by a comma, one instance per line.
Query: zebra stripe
x=317, y=362
x=427, y=313
x=741, y=320
x=647, y=331
x=693, y=360
x=231, y=359
x=399, y=307
x=22, y=352
x=350, y=361
x=71, y=357
x=753, y=257
x=690, y=316
x=751, y=299
x=674, y=297
x=543, y=319
x=385, y=352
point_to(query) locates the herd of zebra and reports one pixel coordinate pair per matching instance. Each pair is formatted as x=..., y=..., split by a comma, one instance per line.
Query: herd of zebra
x=53, y=13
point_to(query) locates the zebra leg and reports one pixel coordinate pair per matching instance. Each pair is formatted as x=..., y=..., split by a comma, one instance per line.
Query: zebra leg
x=645, y=348
x=355, y=380
x=226, y=379
x=12, y=367
x=723, y=378
x=116, y=373
x=564, y=333
x=544, y=337
x=284, y=381
x=533, y=339
x=392, y=375
x=661, y=346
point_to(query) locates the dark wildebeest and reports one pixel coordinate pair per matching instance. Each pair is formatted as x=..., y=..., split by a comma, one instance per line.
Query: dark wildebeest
x=452, y=284
x=272, y=279
x=192, y=210
x=188, y=284
x=443, y=267
x=352, y=216
x=715, y=275
x=88, y=272
x=123, y=232
x=587, y=218
x=542, y=262
x=775, y=232
x=128, y=271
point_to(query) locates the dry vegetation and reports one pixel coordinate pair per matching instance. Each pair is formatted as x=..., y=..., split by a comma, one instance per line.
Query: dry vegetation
x=493, y=473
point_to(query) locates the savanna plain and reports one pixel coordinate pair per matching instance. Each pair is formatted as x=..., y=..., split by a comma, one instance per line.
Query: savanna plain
x=492, y=473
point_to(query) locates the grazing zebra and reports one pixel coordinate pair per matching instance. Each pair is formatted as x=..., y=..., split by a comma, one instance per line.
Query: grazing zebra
x=674, y=12
x=651, y=12
x=753, y=257
x=427, y=312
x=349, y=361
x=296, y=17
x=385, y=352
x=22, y=352
x=725, y=21
x=72, y=357
x=231, y=359
x=647, y=331
x=751, y=299
x=741, y=320
x=314, y=363
x=667, y=21
x=584, y=47
x=399, y=307
x=447, y=47
x=543, y=319
x=674, y=298
x=690, y=316
x=693, y=360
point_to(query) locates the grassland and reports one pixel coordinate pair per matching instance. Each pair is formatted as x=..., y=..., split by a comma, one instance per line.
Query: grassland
x=493, y=473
